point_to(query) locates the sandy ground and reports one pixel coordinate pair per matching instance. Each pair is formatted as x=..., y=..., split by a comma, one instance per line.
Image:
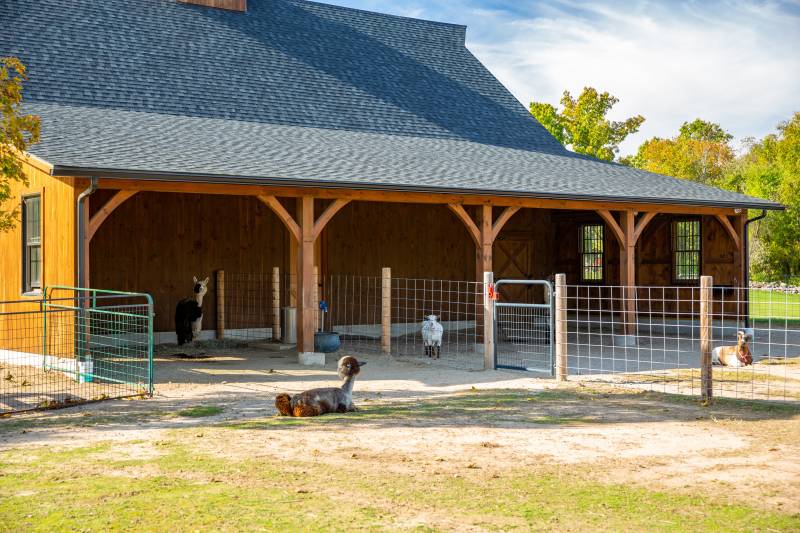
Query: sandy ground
x=731, y=453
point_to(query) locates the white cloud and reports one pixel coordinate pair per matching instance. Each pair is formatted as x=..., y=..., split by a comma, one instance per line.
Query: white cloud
x=729, y=61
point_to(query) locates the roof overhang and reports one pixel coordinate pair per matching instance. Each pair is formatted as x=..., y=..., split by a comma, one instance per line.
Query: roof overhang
x=268, y=181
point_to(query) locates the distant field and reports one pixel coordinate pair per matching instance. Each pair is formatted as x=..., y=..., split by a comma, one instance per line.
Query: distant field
x=774, y=305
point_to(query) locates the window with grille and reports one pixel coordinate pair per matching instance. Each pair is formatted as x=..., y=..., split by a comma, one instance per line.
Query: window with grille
x=592, y=253
x=686, y=250
x=31, y=244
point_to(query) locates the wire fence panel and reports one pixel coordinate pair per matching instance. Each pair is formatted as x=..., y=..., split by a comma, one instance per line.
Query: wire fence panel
x=658, y=346
x=74, y=346
x=249, y=305
x=356, y=309
x=524, y=331
x=770, y=320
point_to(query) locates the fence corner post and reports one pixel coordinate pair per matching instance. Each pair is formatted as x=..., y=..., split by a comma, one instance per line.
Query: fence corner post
x=220, y=304
x=561, y=327
x=706, y=369
x=386, y=310
x=276, y=303
x=488, y=323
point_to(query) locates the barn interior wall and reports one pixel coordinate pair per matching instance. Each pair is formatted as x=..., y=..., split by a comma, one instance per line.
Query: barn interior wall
x=163, y=240
x=156, y=243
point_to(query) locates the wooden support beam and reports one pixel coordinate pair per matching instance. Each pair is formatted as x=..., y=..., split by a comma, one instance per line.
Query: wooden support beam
x=642, y=225
x=734, y=235
x=220, y=289
x=612, y=223
x=102, y=214
x=401, y=197
x=627, y=271
x=277, y=208
x=327, y=215
x=306, y=307
x=472, y=228
x=501, y=221
x=386, y=310
x=486, y=236
x=561, y=327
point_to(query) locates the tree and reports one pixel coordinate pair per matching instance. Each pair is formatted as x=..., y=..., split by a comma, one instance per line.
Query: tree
x=17, y=133
x=701, y=152
x=582, y=124
x=771, y=169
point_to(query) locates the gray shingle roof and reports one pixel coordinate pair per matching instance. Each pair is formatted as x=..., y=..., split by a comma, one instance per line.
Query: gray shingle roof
x=293, y=91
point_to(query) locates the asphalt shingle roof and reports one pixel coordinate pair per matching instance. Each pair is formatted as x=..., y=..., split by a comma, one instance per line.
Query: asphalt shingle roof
x=294, y=91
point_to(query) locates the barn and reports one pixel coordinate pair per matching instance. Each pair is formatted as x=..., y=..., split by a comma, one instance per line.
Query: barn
x=186, y=137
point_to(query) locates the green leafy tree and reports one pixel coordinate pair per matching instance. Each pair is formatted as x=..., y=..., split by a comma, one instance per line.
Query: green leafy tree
x=701, y=152
x=17, y=132
x=582, y=124
x=770, y=169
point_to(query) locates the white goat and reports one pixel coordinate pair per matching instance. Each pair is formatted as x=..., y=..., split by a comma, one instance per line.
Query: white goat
x=432, y=332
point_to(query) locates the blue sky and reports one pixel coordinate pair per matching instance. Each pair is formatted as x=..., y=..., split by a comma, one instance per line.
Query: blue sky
x=732, y=62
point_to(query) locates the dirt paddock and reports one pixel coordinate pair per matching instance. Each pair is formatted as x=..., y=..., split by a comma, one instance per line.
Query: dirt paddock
x=453, y=428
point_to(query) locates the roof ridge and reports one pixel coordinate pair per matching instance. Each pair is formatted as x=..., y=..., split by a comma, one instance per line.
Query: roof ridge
x=380, y=14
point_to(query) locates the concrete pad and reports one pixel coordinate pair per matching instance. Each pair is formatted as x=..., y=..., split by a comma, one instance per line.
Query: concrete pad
x=311, y=358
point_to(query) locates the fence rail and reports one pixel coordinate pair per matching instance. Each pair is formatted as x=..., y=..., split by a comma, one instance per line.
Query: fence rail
x=74, y=345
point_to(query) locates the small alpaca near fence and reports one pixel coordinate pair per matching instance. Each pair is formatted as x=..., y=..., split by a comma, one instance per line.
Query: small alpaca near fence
x=189, y=314
x=317, y=402
x=734, y=356
x=432, y=332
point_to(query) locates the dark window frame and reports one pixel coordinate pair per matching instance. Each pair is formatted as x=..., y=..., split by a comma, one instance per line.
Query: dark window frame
x=30, y=286
x=582, y=253
x=675, y=250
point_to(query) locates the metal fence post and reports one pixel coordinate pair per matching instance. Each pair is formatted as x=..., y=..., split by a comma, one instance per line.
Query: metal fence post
x=488, y=322
x=276, y=303
x=706, y=372
x=561, y=327
x=386, y=310
x=220, y=304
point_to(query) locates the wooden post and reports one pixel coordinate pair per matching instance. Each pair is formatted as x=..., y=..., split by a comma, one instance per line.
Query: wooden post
x=276, y=303
x=220, y=304
x=484, y=248
x=488, y=323
x=627, y=271
x=706, y=373
x=305, y=276
x=561, y=327
x=317, y=326
x=386, y=310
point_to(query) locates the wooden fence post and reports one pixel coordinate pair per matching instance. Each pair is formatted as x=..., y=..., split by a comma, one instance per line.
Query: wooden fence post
x=706, y=372
x=317, y=326
x=561, y=327
x=276, y=303
x=386, y=314
x=488, y=322
x=220, y=304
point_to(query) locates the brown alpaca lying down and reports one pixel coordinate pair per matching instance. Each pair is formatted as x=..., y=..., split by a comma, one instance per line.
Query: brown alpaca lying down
x=317, y=402
x=734, y=356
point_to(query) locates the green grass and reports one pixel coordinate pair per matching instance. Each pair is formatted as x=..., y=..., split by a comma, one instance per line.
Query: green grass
x=776, y=306
x=87, y=489
x=200, y=411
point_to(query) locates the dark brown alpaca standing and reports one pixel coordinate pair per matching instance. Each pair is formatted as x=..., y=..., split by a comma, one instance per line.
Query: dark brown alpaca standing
x=317, y=402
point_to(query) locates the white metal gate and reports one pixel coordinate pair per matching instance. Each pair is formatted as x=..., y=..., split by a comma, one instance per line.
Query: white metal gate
x=524, y=332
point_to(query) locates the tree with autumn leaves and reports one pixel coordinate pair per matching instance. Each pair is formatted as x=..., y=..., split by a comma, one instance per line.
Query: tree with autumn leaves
x=17, y=132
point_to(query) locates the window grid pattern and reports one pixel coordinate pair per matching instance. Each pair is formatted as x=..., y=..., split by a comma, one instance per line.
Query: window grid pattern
x=686, y=250
x=32, y=243
x=592, y=252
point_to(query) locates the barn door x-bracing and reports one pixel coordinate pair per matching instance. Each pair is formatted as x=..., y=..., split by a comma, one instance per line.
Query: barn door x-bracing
x=524, y=336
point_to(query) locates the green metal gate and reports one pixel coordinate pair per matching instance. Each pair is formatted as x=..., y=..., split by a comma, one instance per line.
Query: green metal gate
x=112, y=335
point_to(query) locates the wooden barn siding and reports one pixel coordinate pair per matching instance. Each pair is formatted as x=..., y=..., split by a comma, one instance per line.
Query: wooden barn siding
x=156, y=243
x=23, y=332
